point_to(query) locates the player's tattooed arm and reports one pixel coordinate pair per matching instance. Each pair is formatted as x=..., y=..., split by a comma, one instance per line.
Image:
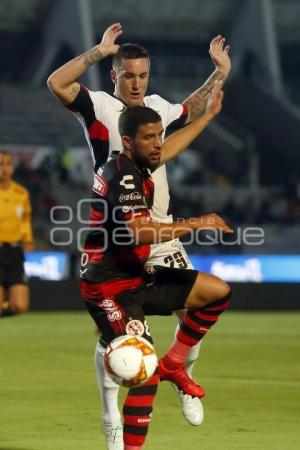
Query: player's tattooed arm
x=63, y=82
x=219, y=54
x=182, y=138
x=91, y=56
x=74, y=91
x=197, y=101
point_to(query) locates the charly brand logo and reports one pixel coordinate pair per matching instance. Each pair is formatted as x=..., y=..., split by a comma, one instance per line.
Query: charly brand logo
x=126, y=182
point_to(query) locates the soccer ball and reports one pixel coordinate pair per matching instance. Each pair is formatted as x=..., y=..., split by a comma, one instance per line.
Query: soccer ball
x=130, y=360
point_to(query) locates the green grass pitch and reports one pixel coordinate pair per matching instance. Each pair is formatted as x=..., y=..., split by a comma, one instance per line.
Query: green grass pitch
x=249, y=365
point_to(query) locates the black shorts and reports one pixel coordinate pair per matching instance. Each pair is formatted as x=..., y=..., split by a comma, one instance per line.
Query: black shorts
x=11, y=266
x=166, y=291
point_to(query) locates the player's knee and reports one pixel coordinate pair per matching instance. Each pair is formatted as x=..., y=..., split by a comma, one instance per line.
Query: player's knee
x=219, y=291
x=224, y=290
x=207, y=289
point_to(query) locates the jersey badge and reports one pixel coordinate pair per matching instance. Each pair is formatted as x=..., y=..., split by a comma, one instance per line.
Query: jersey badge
x=100, y=185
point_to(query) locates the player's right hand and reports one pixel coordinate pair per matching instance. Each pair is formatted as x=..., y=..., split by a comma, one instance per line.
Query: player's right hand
x=214, y=102
x=109, y=37
x=213, y=221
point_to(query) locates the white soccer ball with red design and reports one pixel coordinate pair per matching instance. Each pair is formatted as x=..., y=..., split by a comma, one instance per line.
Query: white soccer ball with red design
x=130, y=360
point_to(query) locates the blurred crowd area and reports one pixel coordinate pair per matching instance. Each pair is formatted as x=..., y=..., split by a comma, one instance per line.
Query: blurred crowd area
x=199, y=183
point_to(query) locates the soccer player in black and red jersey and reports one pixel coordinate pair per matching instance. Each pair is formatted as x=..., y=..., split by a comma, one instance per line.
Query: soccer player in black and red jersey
x=116, y=288
x=98, y=113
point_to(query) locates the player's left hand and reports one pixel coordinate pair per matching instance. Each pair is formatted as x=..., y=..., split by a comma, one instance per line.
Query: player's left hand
x=219, y=54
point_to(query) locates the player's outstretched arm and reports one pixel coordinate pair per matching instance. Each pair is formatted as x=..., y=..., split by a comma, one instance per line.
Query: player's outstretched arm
x=181, y=139
x=63, y=82
x=219, y=54
x=149, y=232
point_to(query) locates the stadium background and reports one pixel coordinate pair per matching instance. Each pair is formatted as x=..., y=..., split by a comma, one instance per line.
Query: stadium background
x=245, y=166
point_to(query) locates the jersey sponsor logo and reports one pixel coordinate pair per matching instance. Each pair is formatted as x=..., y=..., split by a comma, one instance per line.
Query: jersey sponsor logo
x=111, y=309
x=132, y=196
x=135, y=327
x=126, y=182
x=100, y=186
x=126, y=208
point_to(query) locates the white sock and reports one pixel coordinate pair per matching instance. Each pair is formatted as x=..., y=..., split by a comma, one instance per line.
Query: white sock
x=109, y=390
x=192, y=355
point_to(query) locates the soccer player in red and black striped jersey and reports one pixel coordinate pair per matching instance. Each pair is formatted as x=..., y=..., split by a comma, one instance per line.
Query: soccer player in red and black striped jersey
x=117, y=290
x=98, y=113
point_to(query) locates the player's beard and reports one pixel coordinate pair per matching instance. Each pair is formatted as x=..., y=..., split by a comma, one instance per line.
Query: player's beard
x=145, y=163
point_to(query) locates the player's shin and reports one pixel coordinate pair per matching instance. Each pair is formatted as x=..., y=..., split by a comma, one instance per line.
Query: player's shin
x=137, y=412
x=192, y=355
x=193, y=328
x=197, y=322
x=109, y=390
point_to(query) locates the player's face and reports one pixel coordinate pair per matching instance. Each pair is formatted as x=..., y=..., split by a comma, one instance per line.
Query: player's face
x=147, y=144
x=6, y=167
x=131, y=80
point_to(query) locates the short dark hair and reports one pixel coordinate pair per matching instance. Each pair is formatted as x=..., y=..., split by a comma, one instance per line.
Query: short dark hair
x=134, y=116
x=129, y=51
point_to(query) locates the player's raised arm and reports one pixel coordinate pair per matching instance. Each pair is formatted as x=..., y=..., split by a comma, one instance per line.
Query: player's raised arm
x=63, y=82
x=181, y=139
x=219, y=54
